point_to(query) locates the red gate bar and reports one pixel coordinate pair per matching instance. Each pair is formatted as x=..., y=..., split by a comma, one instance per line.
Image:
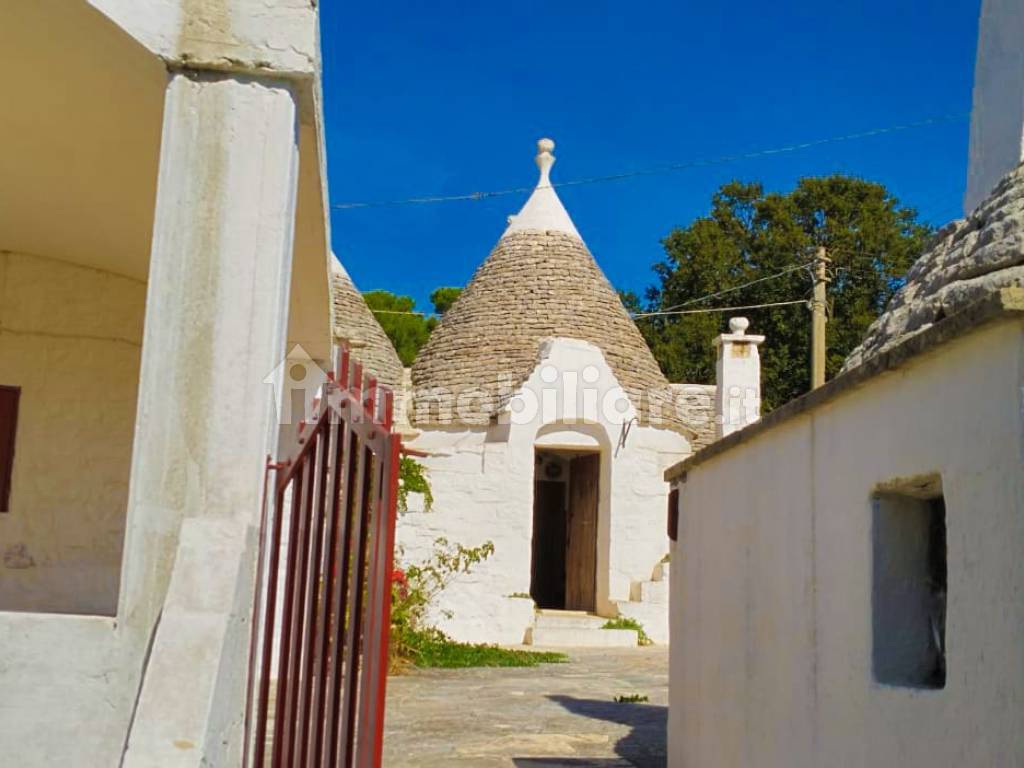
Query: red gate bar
x=328, y=605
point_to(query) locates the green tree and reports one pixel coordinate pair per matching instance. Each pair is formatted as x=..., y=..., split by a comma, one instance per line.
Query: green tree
x=749, y=234
x=442, y=298
x=397, y=315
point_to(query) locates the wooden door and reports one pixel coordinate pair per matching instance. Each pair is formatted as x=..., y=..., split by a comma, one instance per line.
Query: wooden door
x=547, y=577
x=581, y=542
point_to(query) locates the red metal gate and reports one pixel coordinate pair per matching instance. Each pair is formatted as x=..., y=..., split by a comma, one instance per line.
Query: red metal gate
x=321, y=619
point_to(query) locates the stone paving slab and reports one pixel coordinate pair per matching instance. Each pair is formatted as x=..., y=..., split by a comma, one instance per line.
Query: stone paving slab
x=554, y=715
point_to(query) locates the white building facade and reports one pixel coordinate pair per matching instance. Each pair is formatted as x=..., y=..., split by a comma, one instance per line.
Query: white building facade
x=545, y=424
x=809, y=626
x=163, y=242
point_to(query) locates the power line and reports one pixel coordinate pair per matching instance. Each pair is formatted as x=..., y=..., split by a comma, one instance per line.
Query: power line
x=670, y=168
x=674, y=309
x=788, y=270
x=397, y=312
x=721, y=309
x=738, y=287
x=650, y=314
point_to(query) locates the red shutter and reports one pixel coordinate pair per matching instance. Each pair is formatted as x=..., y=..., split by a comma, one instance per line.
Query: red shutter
x=8, y=426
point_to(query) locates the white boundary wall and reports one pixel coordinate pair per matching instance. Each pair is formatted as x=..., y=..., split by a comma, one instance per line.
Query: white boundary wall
x=771, y=661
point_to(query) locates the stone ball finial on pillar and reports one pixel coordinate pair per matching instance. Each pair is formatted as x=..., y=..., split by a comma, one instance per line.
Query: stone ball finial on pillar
x=739, y=325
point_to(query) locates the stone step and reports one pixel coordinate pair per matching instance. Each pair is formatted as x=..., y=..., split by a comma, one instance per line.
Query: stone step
x=652, y=617
x=661, y=571
x=649, y=592
x=549, y=637
x=547, y=618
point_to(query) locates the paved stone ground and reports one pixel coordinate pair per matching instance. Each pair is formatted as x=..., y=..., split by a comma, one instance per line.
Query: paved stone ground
x=551, y=715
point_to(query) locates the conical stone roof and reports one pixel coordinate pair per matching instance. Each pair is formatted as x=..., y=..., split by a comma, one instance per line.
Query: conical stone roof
x=355, y=325
x=539, y=282
x=969, y=259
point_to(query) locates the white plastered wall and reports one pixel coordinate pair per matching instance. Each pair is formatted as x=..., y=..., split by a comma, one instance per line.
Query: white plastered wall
x=997, y=112
x=771, y=598
x=162, y=683
x=482, y=482
x=70, y=338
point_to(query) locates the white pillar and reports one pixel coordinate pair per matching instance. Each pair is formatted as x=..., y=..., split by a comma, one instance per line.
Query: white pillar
x=216, y=321
x=997, y=115
x=738, y=378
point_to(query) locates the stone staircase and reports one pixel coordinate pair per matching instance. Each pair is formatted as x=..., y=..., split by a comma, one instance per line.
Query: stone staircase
x=576, y=629
x=648, y=604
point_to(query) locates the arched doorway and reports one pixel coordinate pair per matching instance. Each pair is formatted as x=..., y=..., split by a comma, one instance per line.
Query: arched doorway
x=567, y=497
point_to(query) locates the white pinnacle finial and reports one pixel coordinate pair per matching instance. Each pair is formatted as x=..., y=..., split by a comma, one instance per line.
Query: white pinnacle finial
x=543, y=212
x=545, y=160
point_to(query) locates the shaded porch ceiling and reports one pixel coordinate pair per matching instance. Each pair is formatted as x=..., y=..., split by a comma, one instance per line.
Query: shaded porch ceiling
x=80, y=126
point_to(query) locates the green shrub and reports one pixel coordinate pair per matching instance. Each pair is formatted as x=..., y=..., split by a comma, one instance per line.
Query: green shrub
x=415, y=587
x=412, y=477
x=623, y=622
x=432, y=648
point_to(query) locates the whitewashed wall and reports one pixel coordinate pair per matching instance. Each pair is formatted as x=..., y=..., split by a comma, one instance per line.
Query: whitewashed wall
x=192, y=182
x=997, y=111
x=482, y=480
x=771, y=581
x=70, y=337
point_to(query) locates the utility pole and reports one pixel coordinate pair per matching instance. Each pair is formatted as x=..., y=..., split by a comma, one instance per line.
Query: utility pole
x=819, y=317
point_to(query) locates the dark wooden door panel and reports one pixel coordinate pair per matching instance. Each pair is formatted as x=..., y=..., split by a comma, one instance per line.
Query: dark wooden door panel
x=581, y=547
x=547, y=576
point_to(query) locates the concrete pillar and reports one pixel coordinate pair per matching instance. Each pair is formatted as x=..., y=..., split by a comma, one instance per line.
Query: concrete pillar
x=738, y=378
x=216, y=320
x=997, y=114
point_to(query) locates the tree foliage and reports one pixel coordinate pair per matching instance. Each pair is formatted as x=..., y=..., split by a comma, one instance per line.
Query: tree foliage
x=407, y=329
x=442, y=298
x=749, y=234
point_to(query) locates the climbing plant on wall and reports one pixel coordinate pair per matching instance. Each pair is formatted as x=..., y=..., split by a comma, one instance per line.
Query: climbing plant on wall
x=412, y=478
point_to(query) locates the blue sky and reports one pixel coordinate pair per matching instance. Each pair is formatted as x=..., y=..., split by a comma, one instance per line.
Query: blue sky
x=446, y=98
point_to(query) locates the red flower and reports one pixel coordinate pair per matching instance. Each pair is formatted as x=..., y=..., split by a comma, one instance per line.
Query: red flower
x=400, y=583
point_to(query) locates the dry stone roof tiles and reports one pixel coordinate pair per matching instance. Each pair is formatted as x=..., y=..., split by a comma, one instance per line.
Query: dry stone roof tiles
x=970, y=259
x=355, y=325
x=697, y=404
x=534, y=285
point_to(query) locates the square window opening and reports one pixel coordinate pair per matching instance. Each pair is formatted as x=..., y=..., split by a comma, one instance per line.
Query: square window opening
x=909, y=585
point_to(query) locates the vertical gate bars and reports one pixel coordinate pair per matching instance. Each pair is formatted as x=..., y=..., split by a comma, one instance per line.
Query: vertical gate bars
x=331, y=614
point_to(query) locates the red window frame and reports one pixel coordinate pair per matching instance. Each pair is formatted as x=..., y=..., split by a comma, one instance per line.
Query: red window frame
x=9, y=397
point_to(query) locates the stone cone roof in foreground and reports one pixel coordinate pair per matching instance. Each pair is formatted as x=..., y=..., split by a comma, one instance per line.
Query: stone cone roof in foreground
x=970, y=259
x=355, y=325
x=537, y=283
